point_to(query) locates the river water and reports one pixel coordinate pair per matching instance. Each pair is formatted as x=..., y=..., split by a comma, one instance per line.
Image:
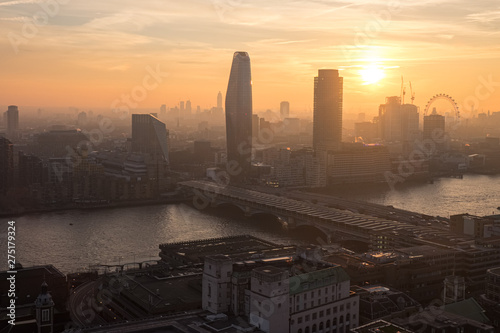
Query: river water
x=72, y=240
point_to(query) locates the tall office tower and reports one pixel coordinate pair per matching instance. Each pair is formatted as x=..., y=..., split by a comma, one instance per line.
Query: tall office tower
x=6, y=164
x=81, y=119
x=219, y=100
x=181, y=107
x=11, y=118
x=327, y=126
x=149, y=136
x=255, y=126
x=434, y=127
x=284, y=110
x=398, y=122
x=239, y=116
x=163, y=110
x=188, y=107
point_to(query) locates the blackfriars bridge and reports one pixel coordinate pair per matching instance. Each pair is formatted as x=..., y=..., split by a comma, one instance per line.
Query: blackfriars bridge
x=335, y=224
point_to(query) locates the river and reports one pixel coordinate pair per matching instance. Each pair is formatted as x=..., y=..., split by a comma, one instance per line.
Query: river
x=72, y=240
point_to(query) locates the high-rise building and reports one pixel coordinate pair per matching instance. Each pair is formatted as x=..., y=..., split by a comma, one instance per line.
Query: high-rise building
x=82, y=119
x=6, y=164
x=239, y=116
x=163, y=110
x=398, y=122
x=11, y=118
x=181, y=107
x=434, y=126
x=149, y=136
x=188, y=107
x=255, y=126
x=219, y=100
x=284, y=109
x=327, y=128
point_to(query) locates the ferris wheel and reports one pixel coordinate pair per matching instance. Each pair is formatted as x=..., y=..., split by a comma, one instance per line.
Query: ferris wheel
x=441, y=97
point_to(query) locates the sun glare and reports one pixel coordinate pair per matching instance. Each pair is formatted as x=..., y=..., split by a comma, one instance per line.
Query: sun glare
x=371, y=75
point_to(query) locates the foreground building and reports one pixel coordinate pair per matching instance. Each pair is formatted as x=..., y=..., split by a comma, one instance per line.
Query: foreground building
x=284, y=294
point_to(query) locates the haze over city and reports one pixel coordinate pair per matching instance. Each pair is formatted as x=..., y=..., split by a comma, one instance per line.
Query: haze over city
x=88, y=53
x=250, y=166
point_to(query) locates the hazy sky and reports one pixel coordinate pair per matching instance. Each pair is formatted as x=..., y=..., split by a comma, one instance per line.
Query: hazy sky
x=89, y=53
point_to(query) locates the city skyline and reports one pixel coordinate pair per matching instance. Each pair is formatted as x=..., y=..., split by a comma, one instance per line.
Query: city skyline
x=87, y=57
x=345, y=179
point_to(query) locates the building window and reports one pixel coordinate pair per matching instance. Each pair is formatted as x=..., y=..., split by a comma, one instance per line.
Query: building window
x=328, y=311
x=341, y=307
x=308, y=317
x=45, y=315
x=321, y=314
x=299, y=320
x=315, y=316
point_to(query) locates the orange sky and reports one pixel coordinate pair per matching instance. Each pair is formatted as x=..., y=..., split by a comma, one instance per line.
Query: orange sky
x=89, y=53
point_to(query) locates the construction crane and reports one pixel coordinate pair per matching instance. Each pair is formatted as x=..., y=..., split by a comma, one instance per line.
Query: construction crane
x=412, y=94
x=403, y=91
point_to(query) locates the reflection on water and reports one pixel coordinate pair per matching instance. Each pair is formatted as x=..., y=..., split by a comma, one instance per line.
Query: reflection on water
x=474, y=194
x=72, y=240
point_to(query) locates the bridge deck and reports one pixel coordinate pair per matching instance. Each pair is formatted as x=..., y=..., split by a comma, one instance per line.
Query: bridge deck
x=357, y=224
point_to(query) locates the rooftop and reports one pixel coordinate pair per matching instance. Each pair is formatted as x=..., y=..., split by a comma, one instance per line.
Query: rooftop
x=238, y=248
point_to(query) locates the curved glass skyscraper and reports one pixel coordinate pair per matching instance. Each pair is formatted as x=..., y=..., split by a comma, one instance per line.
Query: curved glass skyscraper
x=239, y=118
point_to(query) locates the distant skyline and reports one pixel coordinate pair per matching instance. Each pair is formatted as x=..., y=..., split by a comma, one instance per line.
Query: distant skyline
x=88, y=54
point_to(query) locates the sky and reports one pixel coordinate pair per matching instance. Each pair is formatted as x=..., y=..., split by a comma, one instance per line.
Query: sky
x=94, y=53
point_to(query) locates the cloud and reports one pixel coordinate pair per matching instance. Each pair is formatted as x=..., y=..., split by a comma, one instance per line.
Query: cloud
x=484, y=17
x=19, y=2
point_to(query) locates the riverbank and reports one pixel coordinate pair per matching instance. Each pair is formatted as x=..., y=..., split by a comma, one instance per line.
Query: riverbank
x=79, y=206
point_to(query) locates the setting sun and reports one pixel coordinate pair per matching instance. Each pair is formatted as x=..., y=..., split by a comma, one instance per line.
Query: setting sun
x=371, y=75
